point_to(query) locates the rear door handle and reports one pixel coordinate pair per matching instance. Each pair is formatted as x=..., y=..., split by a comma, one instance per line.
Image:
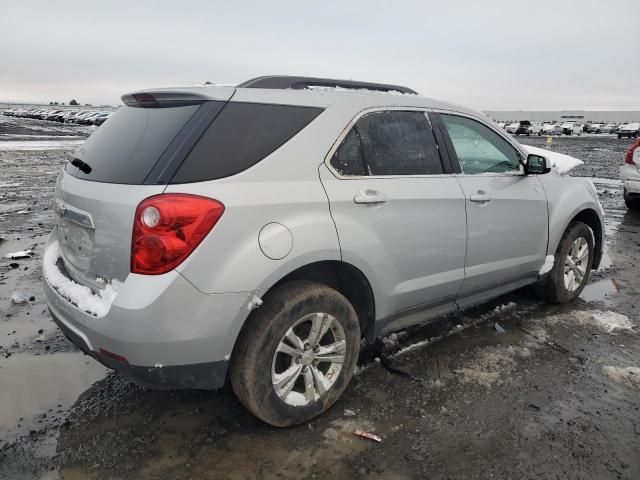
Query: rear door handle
x=480, y=197
x=371, y=197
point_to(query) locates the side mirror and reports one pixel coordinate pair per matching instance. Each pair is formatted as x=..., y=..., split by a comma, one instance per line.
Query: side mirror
x=536, y=165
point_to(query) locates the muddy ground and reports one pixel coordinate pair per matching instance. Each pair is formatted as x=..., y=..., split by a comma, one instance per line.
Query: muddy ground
x=557, y=395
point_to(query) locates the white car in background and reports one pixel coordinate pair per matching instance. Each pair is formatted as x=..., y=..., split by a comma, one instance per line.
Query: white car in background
x=630, y=176
x=536, y=128
x=572, y=128
x=547, y=128
x=512, y=127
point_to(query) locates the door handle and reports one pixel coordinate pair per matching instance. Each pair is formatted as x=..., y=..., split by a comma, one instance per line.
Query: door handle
x=480, y=197
x=370, y=197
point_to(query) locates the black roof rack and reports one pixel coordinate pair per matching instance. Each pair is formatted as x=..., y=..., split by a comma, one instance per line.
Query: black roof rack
x=301, y=83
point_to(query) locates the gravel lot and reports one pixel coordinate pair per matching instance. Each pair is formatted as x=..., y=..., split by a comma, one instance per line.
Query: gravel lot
x=556, y=396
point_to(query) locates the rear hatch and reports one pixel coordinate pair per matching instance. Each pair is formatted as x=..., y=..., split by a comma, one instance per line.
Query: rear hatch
x=127, y=159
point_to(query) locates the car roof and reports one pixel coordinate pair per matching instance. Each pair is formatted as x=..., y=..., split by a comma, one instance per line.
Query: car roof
x=358, y=94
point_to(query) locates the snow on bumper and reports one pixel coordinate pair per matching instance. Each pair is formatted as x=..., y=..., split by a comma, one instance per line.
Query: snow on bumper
x=80, y=296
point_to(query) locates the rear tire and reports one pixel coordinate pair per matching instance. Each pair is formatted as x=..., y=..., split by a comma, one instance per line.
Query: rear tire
x=278, y=343
x=568, y=277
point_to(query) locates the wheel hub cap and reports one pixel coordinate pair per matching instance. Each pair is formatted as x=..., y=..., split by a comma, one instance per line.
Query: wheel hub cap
x=308, y=359
x=575, y=264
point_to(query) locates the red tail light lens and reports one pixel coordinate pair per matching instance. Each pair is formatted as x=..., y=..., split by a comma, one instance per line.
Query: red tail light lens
x=629, y=156
x=168, y=227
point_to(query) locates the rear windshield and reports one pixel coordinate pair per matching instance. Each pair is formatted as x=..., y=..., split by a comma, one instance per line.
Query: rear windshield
x=240, y=136
x=125, y=149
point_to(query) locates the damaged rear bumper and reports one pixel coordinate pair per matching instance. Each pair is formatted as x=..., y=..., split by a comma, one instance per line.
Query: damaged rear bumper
x=208, y=375
x=159, y=331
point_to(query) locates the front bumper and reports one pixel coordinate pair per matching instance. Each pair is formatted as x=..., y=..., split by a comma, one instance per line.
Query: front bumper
x=159, y=332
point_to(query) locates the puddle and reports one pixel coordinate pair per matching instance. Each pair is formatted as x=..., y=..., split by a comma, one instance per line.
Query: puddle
x=599, y=291
x=33, y=385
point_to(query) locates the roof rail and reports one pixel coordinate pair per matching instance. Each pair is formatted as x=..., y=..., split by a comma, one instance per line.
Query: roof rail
x=301, y=83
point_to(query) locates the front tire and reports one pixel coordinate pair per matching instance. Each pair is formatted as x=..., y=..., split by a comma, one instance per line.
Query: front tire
x=571, y=267
x=296, y=354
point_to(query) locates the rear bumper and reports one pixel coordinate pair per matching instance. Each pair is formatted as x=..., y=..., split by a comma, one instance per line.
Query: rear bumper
x=169, y=334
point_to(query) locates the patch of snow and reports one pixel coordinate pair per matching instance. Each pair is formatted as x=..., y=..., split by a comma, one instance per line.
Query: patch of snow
x=629, y=376
x=492, y=365
x=320, y=88
x=413, y=346
x=562, y=163
x=547, y=265
x=19, y=255
x=609, y=322
x=18, y=297
x=80, y=295
x=254, y=303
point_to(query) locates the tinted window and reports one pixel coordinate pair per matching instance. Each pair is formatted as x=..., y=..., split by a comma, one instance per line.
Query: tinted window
x=398, y=143
x=348, y=158
x=125, y=149
x=478, y=148
x=241, y=136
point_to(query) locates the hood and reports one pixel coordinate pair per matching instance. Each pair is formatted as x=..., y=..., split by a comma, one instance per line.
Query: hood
x=560, y=162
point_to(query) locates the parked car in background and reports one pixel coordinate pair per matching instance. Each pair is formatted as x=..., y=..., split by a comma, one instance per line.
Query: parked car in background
x=557, y=129
x=609, y=128
x=512, y=127
x=266, y=245
x=501, y=125
x=88, y=119
x=547, y=128
x=630, y=130
x=536, y=128
x=524, y=127
x=100, y=119
x=630, y=176
x=572, y=128
x=595, y=128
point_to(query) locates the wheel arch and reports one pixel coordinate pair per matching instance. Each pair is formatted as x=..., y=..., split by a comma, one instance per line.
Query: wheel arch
x=591, y=218
x=346, y=279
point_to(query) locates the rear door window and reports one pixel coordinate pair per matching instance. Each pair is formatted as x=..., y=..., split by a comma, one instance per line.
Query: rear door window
x=391, y=143
x=242, y=135
x=125, y=149
x=398, y=143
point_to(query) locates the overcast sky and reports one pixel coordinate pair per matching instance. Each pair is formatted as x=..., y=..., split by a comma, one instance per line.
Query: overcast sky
x=486, y=54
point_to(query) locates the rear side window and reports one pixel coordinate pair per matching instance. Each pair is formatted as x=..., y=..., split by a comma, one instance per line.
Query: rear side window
x=242, y=135
x=348, y=159
x=125, y=149
x=398, y=143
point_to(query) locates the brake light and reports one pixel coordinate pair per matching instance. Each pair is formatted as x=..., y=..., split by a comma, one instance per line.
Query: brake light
x=629, y=156
x=168, y=227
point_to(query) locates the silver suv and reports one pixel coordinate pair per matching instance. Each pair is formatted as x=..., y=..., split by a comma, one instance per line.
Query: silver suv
x=257, y=234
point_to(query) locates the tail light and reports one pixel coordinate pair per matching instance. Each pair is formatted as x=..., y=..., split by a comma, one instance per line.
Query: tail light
x=629, y=156
x=168, y=227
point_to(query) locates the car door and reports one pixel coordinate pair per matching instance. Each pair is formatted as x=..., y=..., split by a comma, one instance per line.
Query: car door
x=507, y=216
x=399, y=216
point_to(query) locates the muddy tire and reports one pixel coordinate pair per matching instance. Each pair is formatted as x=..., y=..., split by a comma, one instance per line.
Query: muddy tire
x=571, y=267
x=296, y=354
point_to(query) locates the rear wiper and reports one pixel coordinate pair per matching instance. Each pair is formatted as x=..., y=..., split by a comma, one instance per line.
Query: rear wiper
x=83, y=167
